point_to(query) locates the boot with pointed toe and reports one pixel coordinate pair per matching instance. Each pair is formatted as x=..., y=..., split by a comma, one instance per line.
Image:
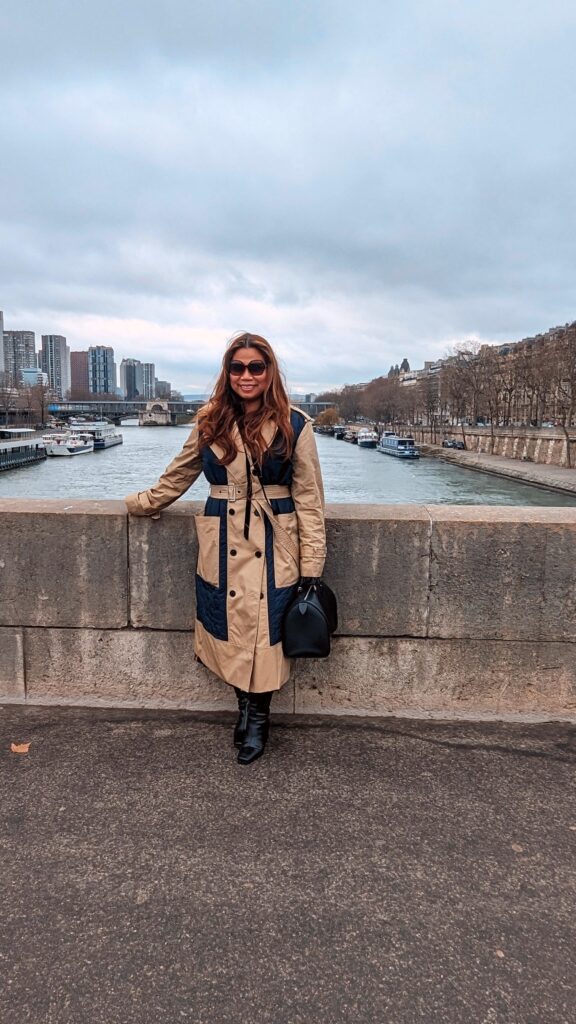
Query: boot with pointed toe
x=240, y=727
x=257, y=727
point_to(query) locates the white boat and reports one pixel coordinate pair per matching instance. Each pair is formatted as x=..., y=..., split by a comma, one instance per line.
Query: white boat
x=105, y=434
x=367, y=439
x=400, y=447
x=69, y=443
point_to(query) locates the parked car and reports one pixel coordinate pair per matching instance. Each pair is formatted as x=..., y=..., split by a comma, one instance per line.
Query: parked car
x=450, y=443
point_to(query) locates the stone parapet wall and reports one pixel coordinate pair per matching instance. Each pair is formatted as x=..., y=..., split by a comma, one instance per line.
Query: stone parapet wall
x=547, y=447
x=450, y=611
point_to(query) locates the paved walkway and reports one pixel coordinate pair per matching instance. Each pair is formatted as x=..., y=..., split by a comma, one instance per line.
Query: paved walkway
x=365, y=870
x=556, y=477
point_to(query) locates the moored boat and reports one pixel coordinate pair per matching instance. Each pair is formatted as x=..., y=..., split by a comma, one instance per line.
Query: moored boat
x=400, y=447
x=69, y=443
x=367, y=439
x=105, y=434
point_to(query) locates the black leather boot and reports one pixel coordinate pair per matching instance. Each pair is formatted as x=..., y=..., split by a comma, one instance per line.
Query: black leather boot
x=240, y=728
x=256, y=728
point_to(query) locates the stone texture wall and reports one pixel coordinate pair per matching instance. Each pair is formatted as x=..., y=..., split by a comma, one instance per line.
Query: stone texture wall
x=545, y=446
x=449, y=611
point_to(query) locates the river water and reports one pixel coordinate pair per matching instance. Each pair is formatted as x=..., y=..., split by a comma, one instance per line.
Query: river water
x=351, y=474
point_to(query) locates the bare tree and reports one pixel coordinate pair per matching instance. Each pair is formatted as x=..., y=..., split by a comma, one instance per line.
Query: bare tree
x=8, y=402
x=42, y=396
x=565, y=366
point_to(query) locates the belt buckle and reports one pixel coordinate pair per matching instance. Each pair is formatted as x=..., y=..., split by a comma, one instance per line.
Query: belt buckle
x=234, y=492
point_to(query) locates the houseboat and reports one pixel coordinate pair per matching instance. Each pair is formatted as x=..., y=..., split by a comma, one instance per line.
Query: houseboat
x=105, y=434
x=367, y=438
x=20, y=446
x=401, y=447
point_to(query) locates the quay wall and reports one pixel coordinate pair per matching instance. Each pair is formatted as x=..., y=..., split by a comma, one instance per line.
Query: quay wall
x=445, y=611
x=547, y=447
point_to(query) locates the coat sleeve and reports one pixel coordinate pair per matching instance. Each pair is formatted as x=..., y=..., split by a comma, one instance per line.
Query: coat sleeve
x=175, y=480
x=308, y=495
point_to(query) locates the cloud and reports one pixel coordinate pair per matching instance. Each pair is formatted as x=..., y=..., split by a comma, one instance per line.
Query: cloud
x=359, y=183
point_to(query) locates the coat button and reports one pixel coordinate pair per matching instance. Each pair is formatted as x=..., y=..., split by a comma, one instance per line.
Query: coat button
x=232, y=593
x=256, y=512
x=258, y=554
x=233, y=551
x=261, y=597
x=231, y=511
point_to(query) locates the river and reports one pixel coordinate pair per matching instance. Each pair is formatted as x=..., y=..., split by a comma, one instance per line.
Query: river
x=351, y=474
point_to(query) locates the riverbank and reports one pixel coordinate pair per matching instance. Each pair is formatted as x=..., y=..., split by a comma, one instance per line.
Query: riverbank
x=555, y=478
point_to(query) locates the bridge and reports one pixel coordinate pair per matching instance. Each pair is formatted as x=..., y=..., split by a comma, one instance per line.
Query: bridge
x=379, y=858
x=120, y=410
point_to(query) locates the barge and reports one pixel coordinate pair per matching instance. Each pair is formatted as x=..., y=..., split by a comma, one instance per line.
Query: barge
x=20, y=447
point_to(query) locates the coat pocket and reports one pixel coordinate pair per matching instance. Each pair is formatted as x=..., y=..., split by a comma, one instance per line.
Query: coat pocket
x=208, y=532
x=286, y=570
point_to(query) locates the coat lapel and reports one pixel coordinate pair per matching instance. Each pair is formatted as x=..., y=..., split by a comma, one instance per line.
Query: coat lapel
x=237, y=468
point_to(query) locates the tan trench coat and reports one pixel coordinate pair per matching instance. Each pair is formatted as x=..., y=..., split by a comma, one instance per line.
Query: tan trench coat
x=243, y=585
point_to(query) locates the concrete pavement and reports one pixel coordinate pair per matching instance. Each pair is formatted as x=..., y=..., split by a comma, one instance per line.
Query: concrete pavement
x=365, y=870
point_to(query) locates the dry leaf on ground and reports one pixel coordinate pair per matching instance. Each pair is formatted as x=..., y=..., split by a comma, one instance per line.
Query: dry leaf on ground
x=19, y=748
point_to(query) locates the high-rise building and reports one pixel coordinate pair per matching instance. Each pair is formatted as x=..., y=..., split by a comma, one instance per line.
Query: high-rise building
x=54, y=360
x=32, y=377
x=163, y=388
x=101, y=370
x=132, y=379
x=19, y=353
x=79, y=386
x=149, y=370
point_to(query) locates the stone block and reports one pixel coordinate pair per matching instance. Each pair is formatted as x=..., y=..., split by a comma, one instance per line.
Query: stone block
x=12, y=687
x=162, y=557
x=131, y=668
x=450, y=678
x=503, y=572
x=377, y=565
x=63, y=563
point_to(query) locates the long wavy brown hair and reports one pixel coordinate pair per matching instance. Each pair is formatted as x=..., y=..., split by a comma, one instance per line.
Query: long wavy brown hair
x=225, y=407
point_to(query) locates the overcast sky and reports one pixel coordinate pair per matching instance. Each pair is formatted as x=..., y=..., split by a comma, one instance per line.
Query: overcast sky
x=358, y=180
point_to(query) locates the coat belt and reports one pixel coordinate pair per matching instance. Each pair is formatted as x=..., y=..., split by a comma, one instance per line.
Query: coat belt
x=235, y=492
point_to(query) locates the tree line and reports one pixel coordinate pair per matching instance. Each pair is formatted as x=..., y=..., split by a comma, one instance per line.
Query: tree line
x=527, y=383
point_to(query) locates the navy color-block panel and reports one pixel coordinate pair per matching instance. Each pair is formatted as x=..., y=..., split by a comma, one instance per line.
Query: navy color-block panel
x=278, y=597
x=281, y=505
x=211, y=600
x=298, y=421
x=215, y=507
x=213, y=471
x=277, y=469
x=211, y=608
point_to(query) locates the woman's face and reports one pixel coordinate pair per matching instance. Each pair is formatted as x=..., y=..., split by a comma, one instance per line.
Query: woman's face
x=249, y=386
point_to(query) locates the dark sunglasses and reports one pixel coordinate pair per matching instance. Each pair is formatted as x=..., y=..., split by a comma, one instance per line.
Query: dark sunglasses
x=256, y=367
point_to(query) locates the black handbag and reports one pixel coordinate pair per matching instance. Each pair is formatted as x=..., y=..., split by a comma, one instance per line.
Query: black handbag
x=309, y=621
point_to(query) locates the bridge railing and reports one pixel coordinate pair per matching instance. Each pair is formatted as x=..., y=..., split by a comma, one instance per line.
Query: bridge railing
x=447, y=611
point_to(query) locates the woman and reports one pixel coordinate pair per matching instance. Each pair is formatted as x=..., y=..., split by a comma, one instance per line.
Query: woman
x=261, y=531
